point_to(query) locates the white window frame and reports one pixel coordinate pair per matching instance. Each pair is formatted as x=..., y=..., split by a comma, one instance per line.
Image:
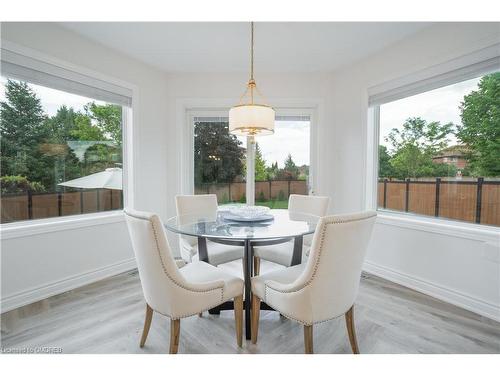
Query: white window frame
x=187, y=136
x=470, y=66
x=129, y=118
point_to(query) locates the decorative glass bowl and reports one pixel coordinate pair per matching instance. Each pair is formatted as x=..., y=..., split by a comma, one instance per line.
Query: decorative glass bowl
x=249, y=212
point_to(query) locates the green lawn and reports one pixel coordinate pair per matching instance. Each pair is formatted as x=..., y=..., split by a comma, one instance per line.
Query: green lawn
x=273, y=204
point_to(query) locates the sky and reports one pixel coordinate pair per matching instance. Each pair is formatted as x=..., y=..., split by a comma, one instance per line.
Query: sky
x=290, y=137
x=437, y=105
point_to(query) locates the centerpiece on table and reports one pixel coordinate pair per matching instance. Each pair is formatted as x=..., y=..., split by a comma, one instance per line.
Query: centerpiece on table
x=247, y=213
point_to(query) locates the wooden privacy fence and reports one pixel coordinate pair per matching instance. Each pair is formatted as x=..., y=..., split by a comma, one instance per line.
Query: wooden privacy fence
x=266, y=190
x=29, y=206
x=476, y=201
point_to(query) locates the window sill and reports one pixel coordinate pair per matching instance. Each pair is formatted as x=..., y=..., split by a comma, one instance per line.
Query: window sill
x=440, y=226
x=42, y=226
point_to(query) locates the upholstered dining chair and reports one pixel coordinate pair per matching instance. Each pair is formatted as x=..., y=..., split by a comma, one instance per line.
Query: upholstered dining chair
x=325, y=286
x=204, y=205
x=177, y=292
x=282, y=253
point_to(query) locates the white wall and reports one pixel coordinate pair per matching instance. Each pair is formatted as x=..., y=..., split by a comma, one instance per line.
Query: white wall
x=39, y=265
x=448, y=266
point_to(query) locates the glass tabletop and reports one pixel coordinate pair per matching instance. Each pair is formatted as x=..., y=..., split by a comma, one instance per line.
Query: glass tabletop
x=283, y=224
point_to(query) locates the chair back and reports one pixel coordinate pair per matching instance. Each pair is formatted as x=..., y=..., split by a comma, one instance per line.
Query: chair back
x=204, y=206
x=160, y=277
x=308, y=204
x=334, y=266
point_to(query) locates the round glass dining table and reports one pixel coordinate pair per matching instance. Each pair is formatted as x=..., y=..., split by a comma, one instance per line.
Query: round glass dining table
x=281, y=226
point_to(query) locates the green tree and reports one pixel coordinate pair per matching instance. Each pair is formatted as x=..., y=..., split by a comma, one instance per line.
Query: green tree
x=303, y=172
x=218, y=155
x=108, y=119
x=22, y=129
x=480, y=129
x=18, y=184
x=272, y=171
x=385, y=168
x=290, y=170
x=83, y=130
x=260, y=165
x=32, y=147
x=101, y=156
x=35, y=147
x=415, y=145
x=60, y=125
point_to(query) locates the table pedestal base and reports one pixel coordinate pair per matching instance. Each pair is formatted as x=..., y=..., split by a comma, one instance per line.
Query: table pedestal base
x=230, y=306
x=248, y=245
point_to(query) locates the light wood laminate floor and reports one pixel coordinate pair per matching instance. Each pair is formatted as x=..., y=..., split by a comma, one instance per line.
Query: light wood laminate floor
x=107, y=317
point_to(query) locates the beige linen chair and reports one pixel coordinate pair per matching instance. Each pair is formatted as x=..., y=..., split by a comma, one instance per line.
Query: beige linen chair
x=282, y=253
x=324, y=287
x=177, y=292
x=204, y=205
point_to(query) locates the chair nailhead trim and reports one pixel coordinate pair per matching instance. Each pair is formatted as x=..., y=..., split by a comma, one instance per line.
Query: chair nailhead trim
x=165, y=269
x=302, y=321
x=334, y=220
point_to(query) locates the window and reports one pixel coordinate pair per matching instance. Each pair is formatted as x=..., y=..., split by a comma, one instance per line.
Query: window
x=282, y=161
x=61, y=150
x=439, y=152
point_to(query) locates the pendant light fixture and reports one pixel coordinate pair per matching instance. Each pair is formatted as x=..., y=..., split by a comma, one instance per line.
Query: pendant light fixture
x=251, y=116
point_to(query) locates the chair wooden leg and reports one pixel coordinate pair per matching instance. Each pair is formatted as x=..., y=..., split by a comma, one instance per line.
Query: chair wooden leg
x=256, y=266
x=349, y=320
x=255, y=317
x=308, y=339
x=175, y=331
x=238, y=319
x=147, y=325
x=200, y=314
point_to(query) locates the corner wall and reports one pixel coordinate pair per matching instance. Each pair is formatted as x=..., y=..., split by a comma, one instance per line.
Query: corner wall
x=461, y=270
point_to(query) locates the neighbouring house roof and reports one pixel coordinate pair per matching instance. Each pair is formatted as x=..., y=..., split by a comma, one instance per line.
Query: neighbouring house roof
x=453, y=151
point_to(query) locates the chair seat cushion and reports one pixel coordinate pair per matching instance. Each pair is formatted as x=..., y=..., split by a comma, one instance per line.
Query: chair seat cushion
x=282, y=276
x=200, y=272
x=217, y=253
x=280, y=253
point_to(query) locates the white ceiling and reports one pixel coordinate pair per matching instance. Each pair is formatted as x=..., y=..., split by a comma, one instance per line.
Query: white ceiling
x=224, y=47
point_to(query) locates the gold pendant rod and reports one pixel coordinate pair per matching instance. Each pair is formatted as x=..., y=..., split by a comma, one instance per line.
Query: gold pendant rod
x=251, y=53
x=251, y=83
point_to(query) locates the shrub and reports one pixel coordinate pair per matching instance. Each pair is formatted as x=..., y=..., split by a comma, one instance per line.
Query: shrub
x=225, y=199
x=19, y=184
x=262, y=197
x=281, y=195
x=243, y=198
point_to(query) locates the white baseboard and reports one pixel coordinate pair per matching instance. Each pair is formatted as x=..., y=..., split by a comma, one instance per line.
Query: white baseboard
x=454, y=297
x=33, y=295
